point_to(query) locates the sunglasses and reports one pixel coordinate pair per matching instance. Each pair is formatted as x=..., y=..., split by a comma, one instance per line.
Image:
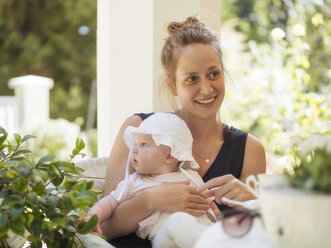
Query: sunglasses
x=237, y=222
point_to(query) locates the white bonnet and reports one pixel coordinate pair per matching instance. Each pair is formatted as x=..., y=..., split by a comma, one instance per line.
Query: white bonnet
x=169, y=130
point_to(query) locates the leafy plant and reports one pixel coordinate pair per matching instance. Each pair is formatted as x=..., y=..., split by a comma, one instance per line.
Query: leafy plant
x=312, y=169
x=40, y=200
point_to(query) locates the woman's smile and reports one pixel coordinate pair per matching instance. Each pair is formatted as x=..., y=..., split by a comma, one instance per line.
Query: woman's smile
x=207, y=101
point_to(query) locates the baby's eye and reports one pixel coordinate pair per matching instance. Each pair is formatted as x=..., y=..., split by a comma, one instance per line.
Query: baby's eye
x=143, y=144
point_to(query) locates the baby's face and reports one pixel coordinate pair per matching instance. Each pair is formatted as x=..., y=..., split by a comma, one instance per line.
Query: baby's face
x=147, y=157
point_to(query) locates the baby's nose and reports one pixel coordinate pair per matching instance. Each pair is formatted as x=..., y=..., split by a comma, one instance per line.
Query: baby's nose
x=134, y=149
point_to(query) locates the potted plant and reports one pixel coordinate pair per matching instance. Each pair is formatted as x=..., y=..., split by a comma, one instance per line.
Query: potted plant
x=299, y=215
x=40, y=199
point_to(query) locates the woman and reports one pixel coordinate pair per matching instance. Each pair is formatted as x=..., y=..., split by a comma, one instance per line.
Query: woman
x=193, y=66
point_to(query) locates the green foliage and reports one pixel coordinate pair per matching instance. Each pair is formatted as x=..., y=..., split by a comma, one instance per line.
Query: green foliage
x=312, y=170
x=280, y=56
x=306, y=32
x=39, y=200
x=42, y=38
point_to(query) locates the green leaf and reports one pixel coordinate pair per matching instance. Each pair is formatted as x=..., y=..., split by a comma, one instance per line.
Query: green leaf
x=10, y=147
x=86, y=227
x=66, y=202
x=36, y=227
x=46, y=158
x=15, y=211
x=59, y=222
x=74, y=201
x=12, y=173
x=87, y=195
x=54, y=170
x=2, y=164
x=47, y=225
x=48, y=234
x=80, y=145
x=66, y=167
x=31, y=198
x=26, y=137
x=2, y=155
x=19, y=152
x=52, y=201
x=18, y=138
x=17, y=226
x=3, y=234
x=70, y=182
x=30, y=218
x=41, y=173
x=3, y=220
x=24, y=170
x=18, y=184
x=74, y=152
x=84, y=185
x=12, y=200
x=57, y=180
x=2, y=130
x=39, y=189
x=3, y=136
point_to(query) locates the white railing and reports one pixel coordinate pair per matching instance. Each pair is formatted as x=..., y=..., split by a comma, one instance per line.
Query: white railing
x=29, y=108
x=8, y=113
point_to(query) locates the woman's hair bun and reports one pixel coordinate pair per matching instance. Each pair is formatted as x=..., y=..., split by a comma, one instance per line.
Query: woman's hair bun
x=190, y=23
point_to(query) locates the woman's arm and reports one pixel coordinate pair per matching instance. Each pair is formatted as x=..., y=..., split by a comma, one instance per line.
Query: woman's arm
x=167, y=197
x=230, y=187
x=254, y=159
x=118, y=156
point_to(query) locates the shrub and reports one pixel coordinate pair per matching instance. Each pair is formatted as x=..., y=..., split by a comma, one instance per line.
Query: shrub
x=40, y=200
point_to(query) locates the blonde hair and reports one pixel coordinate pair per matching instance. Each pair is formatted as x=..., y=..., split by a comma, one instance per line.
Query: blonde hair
x=182, y=34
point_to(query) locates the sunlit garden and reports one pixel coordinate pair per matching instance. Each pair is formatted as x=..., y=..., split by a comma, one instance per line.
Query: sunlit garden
x=277, y=55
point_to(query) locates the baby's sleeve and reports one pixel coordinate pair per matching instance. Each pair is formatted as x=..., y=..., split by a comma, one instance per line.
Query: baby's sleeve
x=126, y=186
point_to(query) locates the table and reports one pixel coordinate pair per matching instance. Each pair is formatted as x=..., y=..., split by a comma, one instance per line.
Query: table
x=214, y=236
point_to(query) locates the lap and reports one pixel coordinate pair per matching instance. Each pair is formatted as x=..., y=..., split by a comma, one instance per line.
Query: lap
x=130, y=240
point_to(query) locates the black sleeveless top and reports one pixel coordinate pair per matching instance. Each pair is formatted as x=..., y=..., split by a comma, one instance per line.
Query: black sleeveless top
x=229, y=160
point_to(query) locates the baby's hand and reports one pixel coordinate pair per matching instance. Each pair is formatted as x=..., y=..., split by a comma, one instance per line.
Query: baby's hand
x=96, y=229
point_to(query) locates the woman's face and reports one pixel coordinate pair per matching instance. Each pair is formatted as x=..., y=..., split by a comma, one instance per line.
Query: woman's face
x=199, y=81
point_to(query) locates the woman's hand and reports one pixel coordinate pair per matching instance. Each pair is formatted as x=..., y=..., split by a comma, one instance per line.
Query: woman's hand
x=178, y=196
x=227, y=186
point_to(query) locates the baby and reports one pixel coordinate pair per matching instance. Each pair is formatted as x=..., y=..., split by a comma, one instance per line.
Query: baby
x=160, y=152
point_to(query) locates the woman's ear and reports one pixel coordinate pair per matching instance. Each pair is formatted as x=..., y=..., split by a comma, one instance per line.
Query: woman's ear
x=171, y=86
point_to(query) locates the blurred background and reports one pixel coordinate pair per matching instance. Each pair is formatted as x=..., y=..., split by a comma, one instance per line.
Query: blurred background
x=277, y=54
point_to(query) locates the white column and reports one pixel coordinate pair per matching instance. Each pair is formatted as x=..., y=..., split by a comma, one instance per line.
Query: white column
x=32, y=98
x=130, y=37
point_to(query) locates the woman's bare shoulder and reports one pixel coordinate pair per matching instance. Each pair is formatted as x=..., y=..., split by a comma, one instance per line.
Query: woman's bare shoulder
x=255, y=158
x=133, y=120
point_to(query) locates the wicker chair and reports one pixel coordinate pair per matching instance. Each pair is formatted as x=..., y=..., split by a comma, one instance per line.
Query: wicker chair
x=95, y=170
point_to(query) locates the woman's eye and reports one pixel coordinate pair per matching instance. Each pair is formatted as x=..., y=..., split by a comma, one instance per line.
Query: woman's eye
x=214, y=74
x=193, y=79
x=144, y=144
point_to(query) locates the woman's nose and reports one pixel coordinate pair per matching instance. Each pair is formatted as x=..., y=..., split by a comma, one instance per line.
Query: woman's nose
x=206, y=87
